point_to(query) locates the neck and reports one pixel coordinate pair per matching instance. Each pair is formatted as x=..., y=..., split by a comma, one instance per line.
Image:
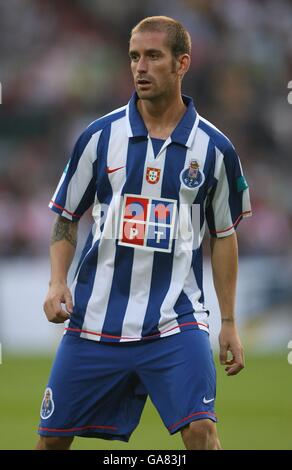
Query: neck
x=161, y=116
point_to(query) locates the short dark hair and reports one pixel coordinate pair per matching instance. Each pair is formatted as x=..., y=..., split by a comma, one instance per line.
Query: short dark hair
x=178, y=38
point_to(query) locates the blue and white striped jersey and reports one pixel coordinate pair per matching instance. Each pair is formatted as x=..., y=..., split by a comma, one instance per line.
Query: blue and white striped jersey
x=140, y=273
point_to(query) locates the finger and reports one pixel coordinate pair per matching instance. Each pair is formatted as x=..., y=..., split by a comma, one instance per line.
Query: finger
x=62, y=316
x=54, y=312
x=51, y=308
x=223, y=354
x=231, y=362
x=234, y=369
x=68, y=302
x=238, y=356
x=56, y=306
x=235, y=365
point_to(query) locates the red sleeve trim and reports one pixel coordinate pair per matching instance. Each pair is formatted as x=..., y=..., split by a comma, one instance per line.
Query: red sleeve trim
x=65, y=210
x=234, y=225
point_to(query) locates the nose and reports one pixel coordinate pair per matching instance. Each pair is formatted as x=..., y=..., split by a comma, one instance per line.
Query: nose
x=142, y=65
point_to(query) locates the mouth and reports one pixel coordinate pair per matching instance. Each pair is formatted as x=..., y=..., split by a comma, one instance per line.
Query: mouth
x=143, y=82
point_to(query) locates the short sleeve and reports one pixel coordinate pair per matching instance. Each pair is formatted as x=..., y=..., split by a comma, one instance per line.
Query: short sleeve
x=76, y=190
x=228, y=201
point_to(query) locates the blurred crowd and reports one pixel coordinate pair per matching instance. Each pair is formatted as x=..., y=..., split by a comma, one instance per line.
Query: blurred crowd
x=64, y=63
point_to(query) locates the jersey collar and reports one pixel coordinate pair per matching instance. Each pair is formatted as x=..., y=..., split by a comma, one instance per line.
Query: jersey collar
x=184, y=132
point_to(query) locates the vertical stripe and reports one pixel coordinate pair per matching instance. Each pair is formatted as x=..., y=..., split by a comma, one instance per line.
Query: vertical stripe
x=233, y=171
x=160, y=280
x=85, y=250
x=123, y=262
x=92, y=309
x=246, y=207
x=220, y=201
x=184, y=244
x=159, y=305
x=89, y=195
x=194, y=287
x=79, y=151
x=202, y=199
x=59, y=197
x=143, y=260
x=77, y=195
x=84, y=279
x=119, y=292
x=198, y=218
x=83, y=289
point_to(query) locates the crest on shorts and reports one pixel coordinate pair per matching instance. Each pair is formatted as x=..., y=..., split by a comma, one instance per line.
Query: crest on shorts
x=152, y=175
x=48, y=406
x=192, y=177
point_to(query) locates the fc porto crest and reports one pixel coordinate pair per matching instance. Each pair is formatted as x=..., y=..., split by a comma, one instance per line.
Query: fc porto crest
x=192, y=177
x=152, y=175
x=48, y=406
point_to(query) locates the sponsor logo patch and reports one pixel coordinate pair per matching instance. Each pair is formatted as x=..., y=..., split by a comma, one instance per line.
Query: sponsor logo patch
x=147, y=223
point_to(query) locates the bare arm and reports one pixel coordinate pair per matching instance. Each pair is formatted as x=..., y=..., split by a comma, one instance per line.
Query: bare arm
x=224, y=258
x=62, y=250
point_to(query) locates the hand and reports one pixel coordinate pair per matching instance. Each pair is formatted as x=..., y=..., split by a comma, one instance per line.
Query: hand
x=58, y=294
x=229, y=341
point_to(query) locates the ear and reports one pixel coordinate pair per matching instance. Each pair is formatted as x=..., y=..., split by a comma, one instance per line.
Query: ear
x=184, y=62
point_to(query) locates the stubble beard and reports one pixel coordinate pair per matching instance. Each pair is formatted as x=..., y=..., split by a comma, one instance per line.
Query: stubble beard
x=154, y=96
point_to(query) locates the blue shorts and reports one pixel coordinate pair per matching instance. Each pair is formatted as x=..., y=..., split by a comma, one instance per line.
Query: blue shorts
x=99, y=389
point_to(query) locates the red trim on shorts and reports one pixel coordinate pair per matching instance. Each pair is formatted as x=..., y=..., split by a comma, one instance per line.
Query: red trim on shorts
x=234, y=225
x=113, y=428
x=134, y=338
x=190, y=416
x=65, y=210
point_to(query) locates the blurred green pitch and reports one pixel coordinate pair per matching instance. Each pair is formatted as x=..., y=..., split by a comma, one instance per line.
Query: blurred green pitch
x=254, y=409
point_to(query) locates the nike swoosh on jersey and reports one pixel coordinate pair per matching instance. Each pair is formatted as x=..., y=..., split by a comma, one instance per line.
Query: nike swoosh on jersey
x=112, y=170
x=207, y=401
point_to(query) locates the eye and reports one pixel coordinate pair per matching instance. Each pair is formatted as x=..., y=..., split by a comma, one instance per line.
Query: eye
x=134, y=57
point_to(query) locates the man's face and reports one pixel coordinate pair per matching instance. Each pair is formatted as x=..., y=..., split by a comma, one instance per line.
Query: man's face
x=153, y=66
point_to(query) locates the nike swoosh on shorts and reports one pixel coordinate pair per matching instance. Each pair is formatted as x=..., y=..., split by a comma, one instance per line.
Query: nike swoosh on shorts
x=207, y=401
